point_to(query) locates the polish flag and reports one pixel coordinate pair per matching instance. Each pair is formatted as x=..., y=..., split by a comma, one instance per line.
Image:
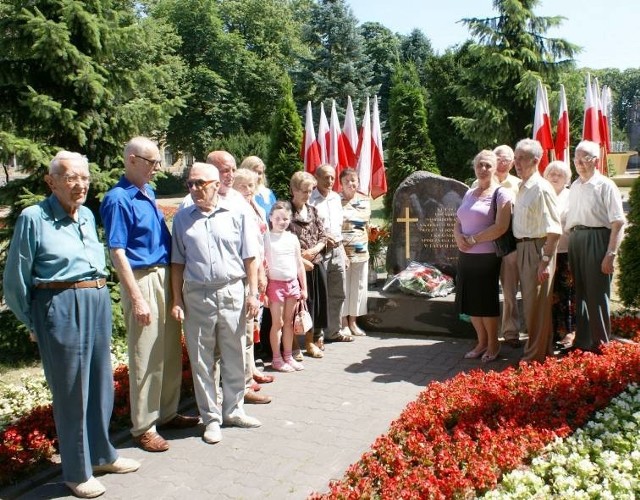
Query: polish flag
x=364, y=153
x=378, y=175
x=542, y=125
x=323, y=136
x=337, y=150
x=350, y=134
x=605, y=130
x=590, y=125
x=562, y=130
x=310, y=151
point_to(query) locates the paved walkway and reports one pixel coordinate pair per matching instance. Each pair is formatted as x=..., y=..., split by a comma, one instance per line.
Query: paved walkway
x=320, y=421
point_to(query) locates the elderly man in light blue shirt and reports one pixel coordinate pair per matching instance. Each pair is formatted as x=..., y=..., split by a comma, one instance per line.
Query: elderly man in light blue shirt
x=213, y=253
x=54, y=282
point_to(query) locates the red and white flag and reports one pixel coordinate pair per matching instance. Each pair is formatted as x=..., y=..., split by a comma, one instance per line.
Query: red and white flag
x=542, y=125
x=590, y=124
x=378, y=175
x=605, y=130
x=562, y=130
x=323, y=136
x=337, y=153
x=364, y=153
x=309, y=152
x=350, y=134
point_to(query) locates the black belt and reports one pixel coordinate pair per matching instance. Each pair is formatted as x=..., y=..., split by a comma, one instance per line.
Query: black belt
x=64, y=285
x=586, y=228
x=520, y=240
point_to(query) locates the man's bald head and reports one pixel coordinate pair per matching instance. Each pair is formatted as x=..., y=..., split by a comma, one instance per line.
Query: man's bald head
x=226, y=165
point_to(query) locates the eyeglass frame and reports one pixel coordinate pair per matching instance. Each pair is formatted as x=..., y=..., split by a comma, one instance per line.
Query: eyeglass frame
x=155, y=163
x=72, y=180
x=198, y=183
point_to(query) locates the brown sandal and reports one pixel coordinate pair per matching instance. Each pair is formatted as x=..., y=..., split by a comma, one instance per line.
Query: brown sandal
x=313, y=351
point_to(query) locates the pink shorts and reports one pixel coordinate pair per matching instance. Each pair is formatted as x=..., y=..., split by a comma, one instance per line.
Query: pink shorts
x=278, y=291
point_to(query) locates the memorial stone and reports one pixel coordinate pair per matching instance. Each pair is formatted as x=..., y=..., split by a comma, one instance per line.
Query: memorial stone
x=424, y=212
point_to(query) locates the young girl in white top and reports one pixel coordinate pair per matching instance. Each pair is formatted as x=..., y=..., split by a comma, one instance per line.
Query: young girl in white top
x=286, y=284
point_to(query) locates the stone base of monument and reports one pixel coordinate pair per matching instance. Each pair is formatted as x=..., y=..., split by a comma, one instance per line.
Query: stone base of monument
x=397, y=312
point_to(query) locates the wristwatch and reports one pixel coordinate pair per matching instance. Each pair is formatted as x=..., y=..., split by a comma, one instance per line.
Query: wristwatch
x=545, y=258
x=611, y=254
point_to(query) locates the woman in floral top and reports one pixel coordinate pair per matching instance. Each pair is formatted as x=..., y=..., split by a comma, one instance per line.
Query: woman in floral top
x=356, y=209
x=307, y=225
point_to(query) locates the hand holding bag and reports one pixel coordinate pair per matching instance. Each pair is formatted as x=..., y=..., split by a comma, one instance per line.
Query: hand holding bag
x=506, y=243
x=302, y=321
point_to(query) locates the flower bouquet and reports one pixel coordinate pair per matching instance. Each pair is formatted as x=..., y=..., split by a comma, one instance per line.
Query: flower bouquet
x=378, y=242
x=421, y=279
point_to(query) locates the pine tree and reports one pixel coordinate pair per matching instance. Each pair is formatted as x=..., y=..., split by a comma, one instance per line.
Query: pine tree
x=338, y=65
x=81, y=76
x=409, y=147
x=498, y=84
x=286, y=136
x=629, y=276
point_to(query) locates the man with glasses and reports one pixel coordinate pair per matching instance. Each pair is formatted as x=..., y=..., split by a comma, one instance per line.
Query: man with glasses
x=595, y=220
x=54, y=282
x=140, y=247
x=214, y=255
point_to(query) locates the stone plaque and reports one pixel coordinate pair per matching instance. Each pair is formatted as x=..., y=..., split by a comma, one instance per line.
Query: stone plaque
x=424, y=212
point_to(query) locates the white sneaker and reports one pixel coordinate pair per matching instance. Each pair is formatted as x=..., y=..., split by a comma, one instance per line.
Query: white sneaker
x=212, y=433
x=244, y=421
x=120, y=466
x=91, y=488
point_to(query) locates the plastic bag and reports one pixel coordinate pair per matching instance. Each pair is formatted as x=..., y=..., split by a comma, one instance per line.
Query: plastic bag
x=421, y=279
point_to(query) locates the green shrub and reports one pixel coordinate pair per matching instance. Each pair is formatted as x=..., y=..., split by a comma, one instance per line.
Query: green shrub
x=629, y=276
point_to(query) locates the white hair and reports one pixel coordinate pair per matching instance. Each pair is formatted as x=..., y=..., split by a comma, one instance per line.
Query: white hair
x=55, y=167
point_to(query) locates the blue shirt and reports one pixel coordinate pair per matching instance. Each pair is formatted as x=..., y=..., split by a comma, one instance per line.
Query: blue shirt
x=213, y=247
x=133, y=221
x=266, y=199
x=48, y=245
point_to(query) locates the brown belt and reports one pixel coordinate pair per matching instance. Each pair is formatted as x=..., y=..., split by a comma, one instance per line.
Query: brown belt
x=520, y=240
x=64, y=285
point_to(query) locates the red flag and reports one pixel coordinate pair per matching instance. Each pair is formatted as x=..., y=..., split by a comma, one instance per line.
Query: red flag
x=605, y=131
x=590, y=125
x=562, y=130
x=378, y=176
x=337, y=152
x=350, y=135
x=542, y=125
x=310, y=151
x=364, y=153
x=323, y=136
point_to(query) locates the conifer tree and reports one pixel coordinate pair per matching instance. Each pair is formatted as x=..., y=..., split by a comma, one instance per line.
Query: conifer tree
x=409, y=147
x=286, y=137
x=629, y=276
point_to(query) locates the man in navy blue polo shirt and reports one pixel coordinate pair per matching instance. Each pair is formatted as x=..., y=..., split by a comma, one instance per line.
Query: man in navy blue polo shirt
x=140, y=244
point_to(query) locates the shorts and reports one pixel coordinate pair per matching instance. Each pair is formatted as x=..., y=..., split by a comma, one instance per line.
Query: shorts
x=279, y=291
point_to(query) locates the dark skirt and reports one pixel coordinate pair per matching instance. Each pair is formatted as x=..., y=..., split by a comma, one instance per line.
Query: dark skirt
x=564, y=306
x=317, y=297
x=477, y=284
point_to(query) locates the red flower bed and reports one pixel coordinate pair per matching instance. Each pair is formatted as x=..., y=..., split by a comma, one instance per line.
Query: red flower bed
x=32, y=439
x=459, y=437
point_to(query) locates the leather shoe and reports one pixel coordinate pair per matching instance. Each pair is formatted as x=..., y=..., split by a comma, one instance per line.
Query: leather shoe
x=244, y=421
x=120, y=466
x=253, y=398
x=180, y=422
x=151, y=441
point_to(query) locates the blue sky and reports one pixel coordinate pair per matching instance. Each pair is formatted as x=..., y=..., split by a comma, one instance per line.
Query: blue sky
x=608, y=31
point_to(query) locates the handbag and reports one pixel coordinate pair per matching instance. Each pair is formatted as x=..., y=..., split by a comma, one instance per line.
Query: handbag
x=506, y=243
x=302, y=321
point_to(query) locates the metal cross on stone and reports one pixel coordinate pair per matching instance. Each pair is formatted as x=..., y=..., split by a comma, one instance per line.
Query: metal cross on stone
x=406, y=220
